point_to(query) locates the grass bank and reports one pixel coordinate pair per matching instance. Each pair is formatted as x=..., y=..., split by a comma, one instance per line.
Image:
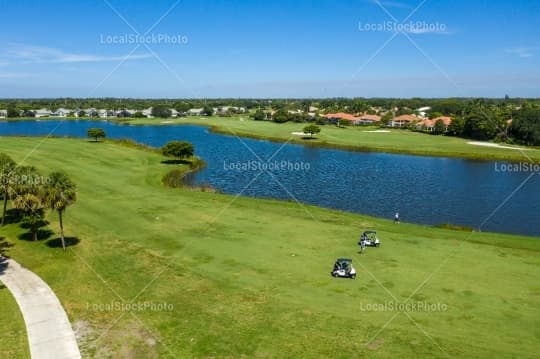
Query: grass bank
x=353, y=138
x=225, y=277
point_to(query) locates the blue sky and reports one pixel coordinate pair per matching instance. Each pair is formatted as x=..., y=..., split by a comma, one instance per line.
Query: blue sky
x=301, y=48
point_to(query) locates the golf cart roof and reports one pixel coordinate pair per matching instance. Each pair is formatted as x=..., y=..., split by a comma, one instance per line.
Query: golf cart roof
x=344, y=260
x=370, y=232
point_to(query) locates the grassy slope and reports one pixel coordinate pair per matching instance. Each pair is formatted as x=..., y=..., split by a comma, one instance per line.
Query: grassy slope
x=355, y=137
x=252, y=277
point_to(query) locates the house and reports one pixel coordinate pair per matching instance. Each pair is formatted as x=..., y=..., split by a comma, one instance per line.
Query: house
x=43, y=112
x=369, y=119
x=61, y=112
x=3, y=113
x=147, y=112
x=403, y=121
x=196, y=111
x=342, y=116
x=364, y=119
x=103, y=113
x=429, y=124
x=174, y=113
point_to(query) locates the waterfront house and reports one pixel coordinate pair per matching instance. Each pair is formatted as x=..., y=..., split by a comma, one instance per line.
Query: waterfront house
x=403, y=121
x=429, y=124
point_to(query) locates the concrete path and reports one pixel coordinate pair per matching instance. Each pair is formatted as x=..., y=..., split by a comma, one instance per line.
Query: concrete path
x=50, y=335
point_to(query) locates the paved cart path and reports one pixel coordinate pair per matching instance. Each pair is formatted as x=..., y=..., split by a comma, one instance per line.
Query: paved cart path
x=49, y=331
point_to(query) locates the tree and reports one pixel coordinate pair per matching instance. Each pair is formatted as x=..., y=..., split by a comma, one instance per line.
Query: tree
x=439, y=127
x=208, y=111
x=7, y=172
x=482, y=124
x=259, y=115
x=28, y=193
x=281, y=116
x=96, y=133
x=312, y=130
x=12, y=111
x=32, y=207
x=161, y=111
x=434, y=114
x=138, y=114
x=59, y=193
x=525, y=127
x=81, y=113
x=178, y=149
x=457, y=126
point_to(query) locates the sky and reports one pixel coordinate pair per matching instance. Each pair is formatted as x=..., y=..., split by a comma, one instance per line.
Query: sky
x=259, y=49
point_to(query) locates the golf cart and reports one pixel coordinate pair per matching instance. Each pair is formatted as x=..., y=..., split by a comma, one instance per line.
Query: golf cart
x=370, y=239
x=343, y=268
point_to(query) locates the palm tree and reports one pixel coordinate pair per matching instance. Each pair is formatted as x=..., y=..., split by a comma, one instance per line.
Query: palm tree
x=28, y=198
x=7, y=169
x=60, y=192
x=32, y=206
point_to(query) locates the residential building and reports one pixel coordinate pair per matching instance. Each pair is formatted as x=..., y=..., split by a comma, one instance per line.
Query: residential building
x=429, y=124
x=43, y=112
x=403, y=121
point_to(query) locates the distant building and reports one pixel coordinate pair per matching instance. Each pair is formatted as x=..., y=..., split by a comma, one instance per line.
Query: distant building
x=429, y=125
x=3, y=113
x=353, y=120
x=403, y=121
x=369, y=119
x=196, y=111
x=43, y=112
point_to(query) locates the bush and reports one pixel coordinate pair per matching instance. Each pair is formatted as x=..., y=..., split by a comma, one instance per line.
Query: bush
x=178, y=149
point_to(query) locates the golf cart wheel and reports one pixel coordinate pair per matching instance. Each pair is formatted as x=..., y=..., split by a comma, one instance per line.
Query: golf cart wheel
x=353, y=276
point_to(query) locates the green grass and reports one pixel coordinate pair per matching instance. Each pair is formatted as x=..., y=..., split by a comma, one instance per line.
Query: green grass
x=355, y=138
x=250, y=278
x=13, y=341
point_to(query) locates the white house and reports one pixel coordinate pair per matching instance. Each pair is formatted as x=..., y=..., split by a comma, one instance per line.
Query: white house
x=174, y=113
x=3, y=113
x=42, y=112
x=61, y=112
x=147, y=112
x=196, y=111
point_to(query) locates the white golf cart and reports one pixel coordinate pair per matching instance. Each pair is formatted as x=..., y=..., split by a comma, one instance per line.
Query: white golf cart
x=343, y=268
x=370, y=239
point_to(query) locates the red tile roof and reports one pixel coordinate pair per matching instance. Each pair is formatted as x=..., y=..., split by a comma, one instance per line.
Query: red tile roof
x=341, y=116
x=366, y=117
x=406, y=118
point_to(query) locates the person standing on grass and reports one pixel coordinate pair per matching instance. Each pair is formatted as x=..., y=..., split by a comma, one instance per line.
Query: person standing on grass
x=396, y=217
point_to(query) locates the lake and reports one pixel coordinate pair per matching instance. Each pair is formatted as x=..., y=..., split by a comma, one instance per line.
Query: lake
x=425, y=190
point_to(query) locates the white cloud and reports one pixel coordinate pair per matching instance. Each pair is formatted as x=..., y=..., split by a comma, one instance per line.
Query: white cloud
x=523, y=52
x=41, y=54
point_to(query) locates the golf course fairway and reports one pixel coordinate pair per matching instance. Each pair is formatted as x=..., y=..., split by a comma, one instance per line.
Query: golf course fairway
x=154, y=271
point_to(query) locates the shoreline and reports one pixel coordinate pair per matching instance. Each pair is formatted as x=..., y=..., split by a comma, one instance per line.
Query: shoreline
x=515, y=156
x=201, y=164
